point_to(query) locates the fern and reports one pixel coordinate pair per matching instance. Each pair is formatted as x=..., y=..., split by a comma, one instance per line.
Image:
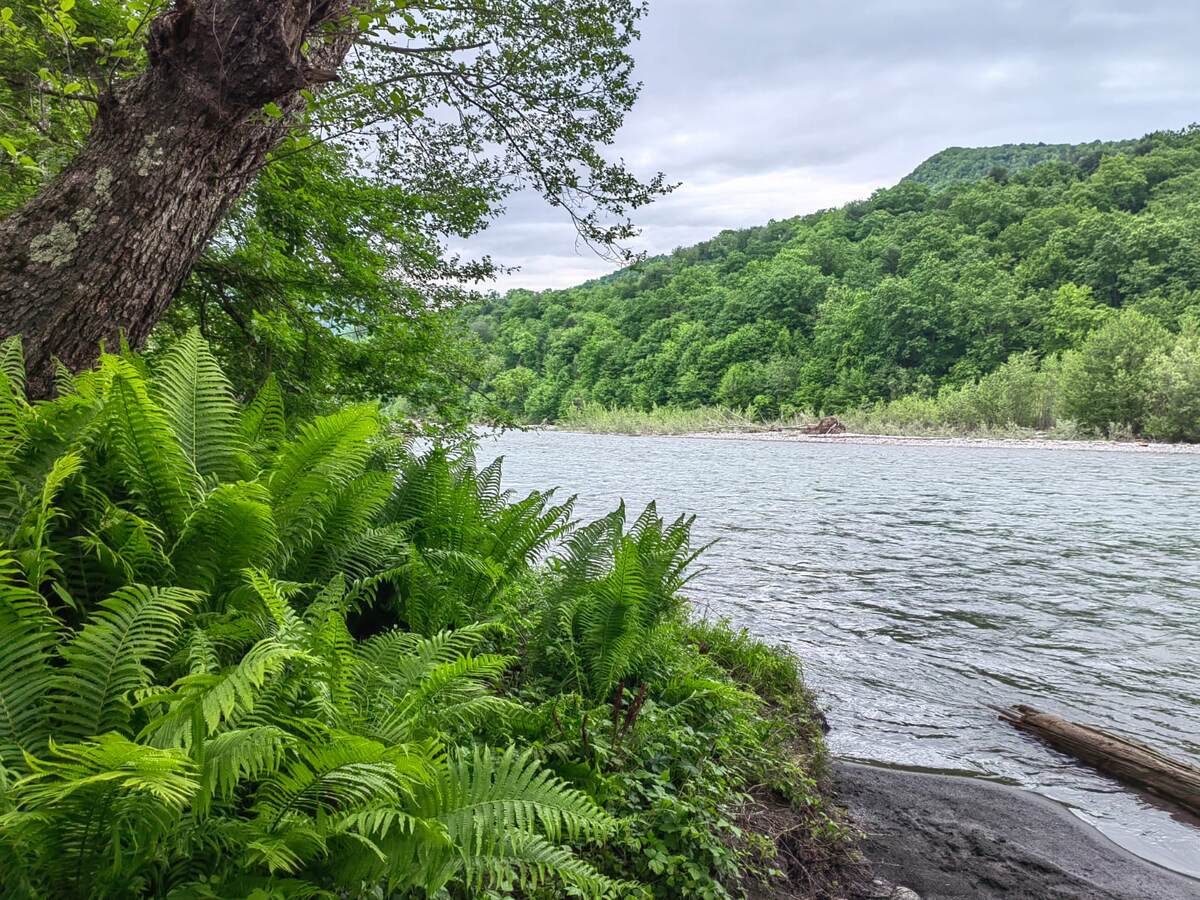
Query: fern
x=326, y=455
x=231, y=529
x=152, y=461
x=262, y=424
x=112, y=657
x=508, y=813
x=27, y=636
x=38, y=559
x=611, y=624
x=234, y=661
x=198, y=402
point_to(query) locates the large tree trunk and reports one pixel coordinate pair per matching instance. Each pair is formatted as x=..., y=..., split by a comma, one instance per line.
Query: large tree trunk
x=101, y=251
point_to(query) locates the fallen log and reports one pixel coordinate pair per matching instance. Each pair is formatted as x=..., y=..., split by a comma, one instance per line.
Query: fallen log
x=827, y=425
x=1124, y=758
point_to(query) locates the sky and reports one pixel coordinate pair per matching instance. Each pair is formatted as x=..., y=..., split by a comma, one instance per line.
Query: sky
x=766, y=109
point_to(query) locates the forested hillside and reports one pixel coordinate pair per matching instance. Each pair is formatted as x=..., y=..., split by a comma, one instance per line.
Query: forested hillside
x=1076, y=283
x=955, y=164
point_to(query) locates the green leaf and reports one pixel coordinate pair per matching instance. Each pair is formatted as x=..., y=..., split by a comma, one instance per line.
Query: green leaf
x=198, y=402
x=273, y=110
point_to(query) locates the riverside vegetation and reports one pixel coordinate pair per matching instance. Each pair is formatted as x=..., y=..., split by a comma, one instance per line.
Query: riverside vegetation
x=247, y=656
x=250, y=653
x=1059, y=295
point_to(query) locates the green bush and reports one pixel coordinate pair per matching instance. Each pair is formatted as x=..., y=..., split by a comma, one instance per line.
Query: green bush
x=1175, y=389
x=241, y=657
x=1106, y=384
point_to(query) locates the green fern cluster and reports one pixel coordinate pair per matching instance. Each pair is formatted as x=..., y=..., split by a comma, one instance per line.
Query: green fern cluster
x=617, y=598
x=227, y=667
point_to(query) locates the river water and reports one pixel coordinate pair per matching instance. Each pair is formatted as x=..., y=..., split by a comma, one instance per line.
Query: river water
x=922, y=584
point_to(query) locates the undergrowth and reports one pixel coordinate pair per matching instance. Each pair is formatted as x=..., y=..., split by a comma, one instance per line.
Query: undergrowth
x=247, y=657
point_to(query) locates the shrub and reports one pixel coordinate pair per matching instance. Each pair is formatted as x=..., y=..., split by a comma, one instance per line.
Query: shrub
x=1107, y=382
x=1175, y=389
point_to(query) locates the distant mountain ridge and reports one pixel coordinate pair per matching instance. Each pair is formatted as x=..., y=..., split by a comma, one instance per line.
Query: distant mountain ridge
x=911, y=291
x=962, y=164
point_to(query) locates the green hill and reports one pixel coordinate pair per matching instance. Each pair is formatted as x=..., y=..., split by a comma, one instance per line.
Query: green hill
x=913, y=293
x=956, y=164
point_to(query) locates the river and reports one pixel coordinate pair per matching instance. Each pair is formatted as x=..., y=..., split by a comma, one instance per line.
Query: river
x=922, y=584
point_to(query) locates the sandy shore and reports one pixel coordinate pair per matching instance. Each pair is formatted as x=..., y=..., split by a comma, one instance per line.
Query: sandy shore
x=953, y=442
x=951, y=838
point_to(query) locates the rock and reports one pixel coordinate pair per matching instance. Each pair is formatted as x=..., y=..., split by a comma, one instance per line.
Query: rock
x=881, y=889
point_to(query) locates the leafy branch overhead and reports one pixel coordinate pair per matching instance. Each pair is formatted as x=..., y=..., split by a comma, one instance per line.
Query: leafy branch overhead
x=423, y=117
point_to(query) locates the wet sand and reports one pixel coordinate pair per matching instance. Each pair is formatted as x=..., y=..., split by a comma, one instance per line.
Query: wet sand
x=954, y=838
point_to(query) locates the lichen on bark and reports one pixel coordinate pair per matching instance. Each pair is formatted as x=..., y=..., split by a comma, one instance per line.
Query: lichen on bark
x=56, y=247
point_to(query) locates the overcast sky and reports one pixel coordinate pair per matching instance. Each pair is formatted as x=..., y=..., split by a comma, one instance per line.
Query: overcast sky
x=767, y=108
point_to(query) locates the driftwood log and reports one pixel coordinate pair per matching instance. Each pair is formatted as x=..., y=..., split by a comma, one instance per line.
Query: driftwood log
x=1121, y=757
x=827, y=425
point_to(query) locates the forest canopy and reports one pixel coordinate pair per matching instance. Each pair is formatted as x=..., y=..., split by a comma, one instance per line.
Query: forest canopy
x=1055, y=271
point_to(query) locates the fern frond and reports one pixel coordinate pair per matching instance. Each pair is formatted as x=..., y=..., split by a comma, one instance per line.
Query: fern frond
x=111, y=657
x=536, y=861
x=231, y=529
x=197, y=399
x=263, y=423
x=108, y=760
x=610, y=626
x=38, y=559
x=446, y=698
x=347, y=774
x=217, y=698
x=352, y=509
x=151, y=459
x=12, y=363
x=241, y=755
x=121, y=547
x=285, y=847
x=390, y=651
x=27, y=635
x=326, y=455
x=500, y=809
x=14, y=410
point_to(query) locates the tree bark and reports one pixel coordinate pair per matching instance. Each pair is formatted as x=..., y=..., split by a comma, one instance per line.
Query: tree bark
x=100, y=252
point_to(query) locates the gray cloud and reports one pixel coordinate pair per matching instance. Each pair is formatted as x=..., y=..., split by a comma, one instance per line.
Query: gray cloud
x=766, y=109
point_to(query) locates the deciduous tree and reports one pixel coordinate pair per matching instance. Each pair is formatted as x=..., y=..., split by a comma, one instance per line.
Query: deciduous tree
x=186, y=113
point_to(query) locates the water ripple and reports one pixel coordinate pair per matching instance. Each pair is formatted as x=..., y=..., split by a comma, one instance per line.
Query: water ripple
x=922, y=584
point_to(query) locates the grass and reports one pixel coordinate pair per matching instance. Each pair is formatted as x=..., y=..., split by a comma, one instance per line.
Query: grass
x=665, y=420
x=908, y=417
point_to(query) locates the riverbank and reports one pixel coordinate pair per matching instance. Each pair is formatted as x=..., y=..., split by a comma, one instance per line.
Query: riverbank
x=953, y=838
x=993, y=443
x=860, y=427
x=985, y=442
